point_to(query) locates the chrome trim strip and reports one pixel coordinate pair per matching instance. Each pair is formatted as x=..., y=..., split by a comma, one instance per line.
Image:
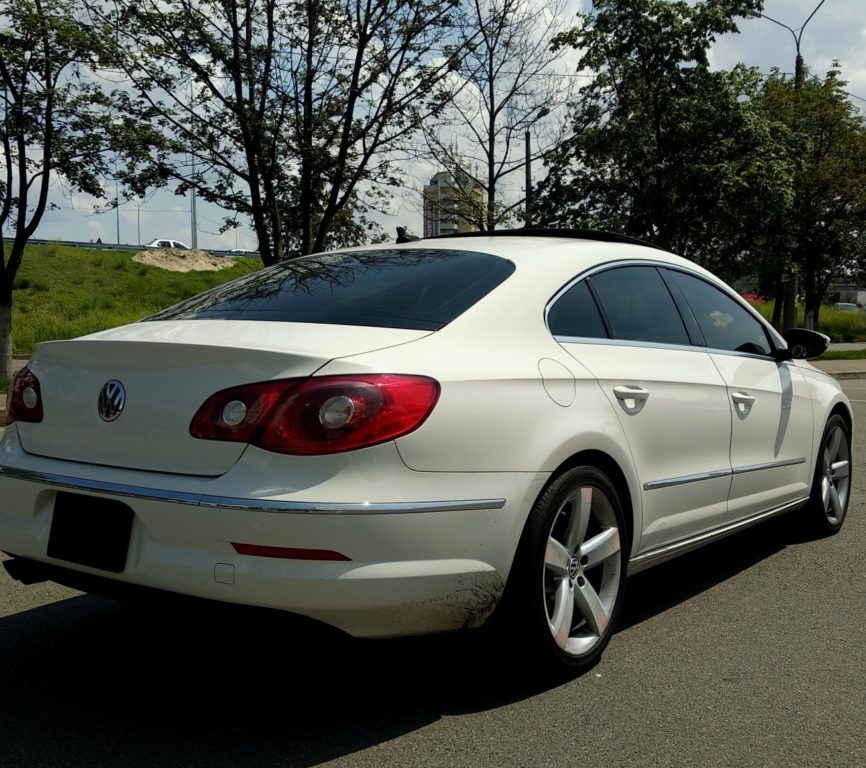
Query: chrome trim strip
x=656, y=484
x=627, y=343
x=257, y=505
x=669, y=551
x=769, y=465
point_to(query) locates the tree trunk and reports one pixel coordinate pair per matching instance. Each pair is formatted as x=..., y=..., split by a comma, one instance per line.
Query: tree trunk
x=779, y=299
x=6, y=333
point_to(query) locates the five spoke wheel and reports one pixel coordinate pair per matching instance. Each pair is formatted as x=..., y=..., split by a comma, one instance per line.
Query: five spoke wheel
x=567, y=583
x=582, y=566
x=834, y=472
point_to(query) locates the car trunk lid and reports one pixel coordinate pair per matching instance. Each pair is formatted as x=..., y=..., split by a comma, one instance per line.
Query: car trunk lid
x=168, y=370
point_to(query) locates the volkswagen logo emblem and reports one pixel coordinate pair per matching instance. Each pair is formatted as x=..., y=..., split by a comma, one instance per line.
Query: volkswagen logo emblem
x=112, y=398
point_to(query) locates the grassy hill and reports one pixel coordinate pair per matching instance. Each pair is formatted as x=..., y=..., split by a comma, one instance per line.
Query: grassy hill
x=62, y=292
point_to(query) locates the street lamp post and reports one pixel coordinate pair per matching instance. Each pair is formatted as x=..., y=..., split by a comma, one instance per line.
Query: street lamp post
x=542, y=112
x=789, y=283
x=797, y=34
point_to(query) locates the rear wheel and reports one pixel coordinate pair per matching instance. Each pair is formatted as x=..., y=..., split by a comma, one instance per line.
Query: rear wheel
x=832, y=483
x=568, y=580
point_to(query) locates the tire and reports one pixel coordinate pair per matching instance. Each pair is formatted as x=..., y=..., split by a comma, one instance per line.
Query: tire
x=567, y=583
x=831, y=486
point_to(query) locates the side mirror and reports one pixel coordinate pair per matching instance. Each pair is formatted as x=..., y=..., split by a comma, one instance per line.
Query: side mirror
x=804, y=344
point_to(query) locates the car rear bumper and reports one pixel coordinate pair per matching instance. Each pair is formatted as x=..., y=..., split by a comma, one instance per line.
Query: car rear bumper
x=433, y=564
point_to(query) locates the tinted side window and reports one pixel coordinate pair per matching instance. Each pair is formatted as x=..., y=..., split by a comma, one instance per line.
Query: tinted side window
x=576, y=314
x=638, y=306
x=724, y=323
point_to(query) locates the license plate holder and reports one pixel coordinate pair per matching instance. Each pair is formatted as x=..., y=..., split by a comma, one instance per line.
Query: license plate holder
x=91, y=531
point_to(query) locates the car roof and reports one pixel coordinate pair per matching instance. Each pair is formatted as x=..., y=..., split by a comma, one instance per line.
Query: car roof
x=560, y=252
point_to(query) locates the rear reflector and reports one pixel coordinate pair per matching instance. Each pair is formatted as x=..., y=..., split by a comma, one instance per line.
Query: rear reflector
x=288, y=553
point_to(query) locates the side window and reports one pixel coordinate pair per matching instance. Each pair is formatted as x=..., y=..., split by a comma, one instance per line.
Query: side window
x=724, y=323
x=575, y=314
x=638, y=306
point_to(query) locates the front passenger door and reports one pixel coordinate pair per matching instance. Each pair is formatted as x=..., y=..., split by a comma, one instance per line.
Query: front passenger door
x=769, y=400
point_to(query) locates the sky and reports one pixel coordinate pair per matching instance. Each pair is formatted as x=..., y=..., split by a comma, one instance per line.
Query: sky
x=837, y=31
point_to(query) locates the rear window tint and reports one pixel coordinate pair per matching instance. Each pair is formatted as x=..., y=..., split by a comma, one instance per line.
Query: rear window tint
x=421, y=289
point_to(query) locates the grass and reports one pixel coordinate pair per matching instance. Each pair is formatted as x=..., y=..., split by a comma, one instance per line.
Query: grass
x=836, y=323
x=844, y=354
x=62, y=292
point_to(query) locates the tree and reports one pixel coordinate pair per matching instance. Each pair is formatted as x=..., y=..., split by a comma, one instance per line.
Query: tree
x=823, y=232
x=293, y=110
x=506, y=81
x=54, y=124
x=661, y=147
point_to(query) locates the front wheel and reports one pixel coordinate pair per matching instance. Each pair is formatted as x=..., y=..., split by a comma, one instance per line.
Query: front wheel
x=568, y=580
x=828, y=504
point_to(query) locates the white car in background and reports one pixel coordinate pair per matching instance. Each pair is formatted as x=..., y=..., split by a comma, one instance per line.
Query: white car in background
x=408, y=439
x=176, y=244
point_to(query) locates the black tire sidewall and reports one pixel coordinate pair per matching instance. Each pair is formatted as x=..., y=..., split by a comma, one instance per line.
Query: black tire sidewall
x=817, y=513
x=525, y=602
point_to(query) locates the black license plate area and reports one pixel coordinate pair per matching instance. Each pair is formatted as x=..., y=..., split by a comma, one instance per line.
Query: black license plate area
x=91, y=531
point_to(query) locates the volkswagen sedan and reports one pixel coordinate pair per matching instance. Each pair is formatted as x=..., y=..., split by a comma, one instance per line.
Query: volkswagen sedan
x=423, y=437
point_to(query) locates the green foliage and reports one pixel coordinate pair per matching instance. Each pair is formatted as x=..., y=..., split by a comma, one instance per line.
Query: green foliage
x=838, y=324
x=662, y=147
x=292, y=109
x=822, y=230
x=82, y=291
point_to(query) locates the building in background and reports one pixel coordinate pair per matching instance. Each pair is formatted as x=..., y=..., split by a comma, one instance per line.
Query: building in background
x=452, y=203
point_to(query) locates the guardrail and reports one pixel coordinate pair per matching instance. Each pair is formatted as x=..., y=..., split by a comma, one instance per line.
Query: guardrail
x=128, y=247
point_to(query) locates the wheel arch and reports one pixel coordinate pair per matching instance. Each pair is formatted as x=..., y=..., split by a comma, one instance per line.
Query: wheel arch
x=842, y=410
x=607, y=464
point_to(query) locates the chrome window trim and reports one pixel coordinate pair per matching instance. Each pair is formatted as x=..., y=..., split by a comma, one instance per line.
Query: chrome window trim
x=256, y=505
x=716, y=473
x=627, y=343
x=631, y=262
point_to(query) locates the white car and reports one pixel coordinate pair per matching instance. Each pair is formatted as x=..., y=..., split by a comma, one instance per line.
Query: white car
x=176, y=244
x=414, y=438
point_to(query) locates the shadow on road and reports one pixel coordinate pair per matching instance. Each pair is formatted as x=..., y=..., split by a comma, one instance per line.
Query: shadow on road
x=660, y=588
x=86, y=681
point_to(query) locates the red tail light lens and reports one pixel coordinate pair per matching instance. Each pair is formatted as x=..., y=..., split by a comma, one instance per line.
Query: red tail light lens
x=236, y=414
x=25, y=398
x=327, y=414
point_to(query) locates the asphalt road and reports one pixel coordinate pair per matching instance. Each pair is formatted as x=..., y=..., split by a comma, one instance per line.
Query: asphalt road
x=751, y=652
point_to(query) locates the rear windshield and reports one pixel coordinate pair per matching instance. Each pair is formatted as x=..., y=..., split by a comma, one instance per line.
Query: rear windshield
x=421, y=289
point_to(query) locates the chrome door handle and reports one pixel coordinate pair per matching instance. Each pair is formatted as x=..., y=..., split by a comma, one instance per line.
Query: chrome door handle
x=627, y=392
x=632, y=399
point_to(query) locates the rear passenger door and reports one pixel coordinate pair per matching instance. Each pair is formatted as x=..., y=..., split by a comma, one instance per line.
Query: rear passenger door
x=623, y=325
x=769, y=400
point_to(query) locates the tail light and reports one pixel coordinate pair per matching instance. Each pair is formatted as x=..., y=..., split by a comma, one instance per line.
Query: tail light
x=25, y=398
x=326, y=414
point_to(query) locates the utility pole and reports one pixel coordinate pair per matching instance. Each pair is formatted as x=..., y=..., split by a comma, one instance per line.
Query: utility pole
x=528, y=181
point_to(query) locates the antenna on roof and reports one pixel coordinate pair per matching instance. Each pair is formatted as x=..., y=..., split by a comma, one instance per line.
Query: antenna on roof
x=404, y=237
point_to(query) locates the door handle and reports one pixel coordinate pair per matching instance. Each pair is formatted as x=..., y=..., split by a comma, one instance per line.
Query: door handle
x=742, y=403
x=741, y=398
x=631, y=398
x=627, y=392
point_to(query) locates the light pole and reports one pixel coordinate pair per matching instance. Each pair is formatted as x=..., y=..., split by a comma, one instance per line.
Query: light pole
x=542, y=112
x=797, y=34
x=789, y=282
